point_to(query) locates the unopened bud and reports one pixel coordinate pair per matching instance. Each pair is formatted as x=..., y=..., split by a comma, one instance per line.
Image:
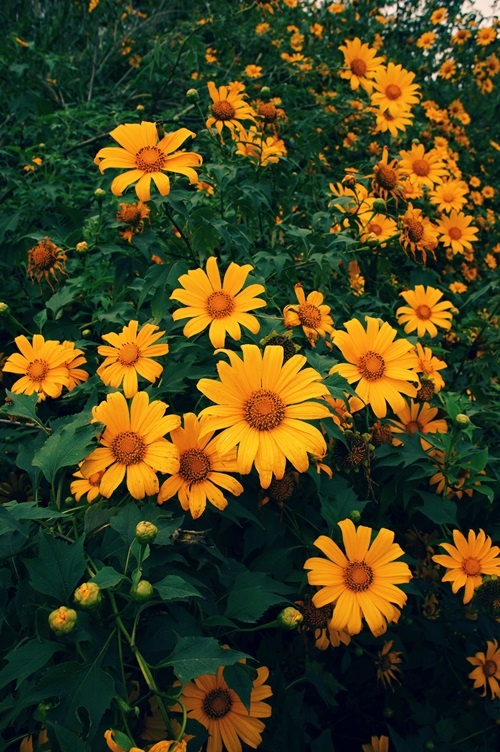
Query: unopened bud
x=86, y=333
x=99, y=193
x=142, y=591
x=358, y=652
x=462, y=420
x=192, y=94
x=355, y=515
x=429, y=744
x=140, y=108
x=63, y=620
x=145, y=532
x=88, y=595
x=379, y=205
x=69, y=501
x=82, y=247
x=4, y=309
x=265, y=91
x=290, y=618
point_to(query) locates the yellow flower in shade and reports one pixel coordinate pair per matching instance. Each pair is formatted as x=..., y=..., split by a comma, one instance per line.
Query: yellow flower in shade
x=424, y=313
x=419, y=234
x=164, y=746
x=455, y=232
x=376, y=228
x=145, y=158
x=76, y=375
x=461, y=36
x=387, y=665
x=426, y=40
x=223, y=306
x=393, y=123
x=449, y=195
x=378, y=744
x=429, y=365
x=132, y=216
x=447, y=69
x=387, y=178
x=42, y=365
x=319, y=620
x=201, y=470
x=253, y=71
x=362, y=582
x=310, y=314
x=418, y=417
x=487, y=671
x=255, y=145
x=229, y=107
x=45, y=259
x=130, y=353
x=438, y=16
x=424, y=169
x=394, y=89
x=264, y=406
x=383, y=367
x=361, y=63
x=89, y=486
x=133, y=445
x=469, y=559
x=210, y=701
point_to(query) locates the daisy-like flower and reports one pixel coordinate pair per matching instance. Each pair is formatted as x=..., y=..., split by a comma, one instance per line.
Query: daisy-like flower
x=310, y=314
x=319, y=621
x=418, y=417
x=259, y=147
x=201, y=470
x=386, y=177
x=76, y=375
x=426, y=40
x=133, y=217
x=394, y=89
x=487, y=671
x=486, y=35
x=424, y=313
x=424, y=169
x=130, y=353
x=210, y=701
x=419, y=234
x=145, y=158
x=447, y=69
x=89, y=486
x=456, y=232
x=42, y=365
x=263, y=406
x=430, y=366
x=361, y=63
x=362, y=582
x=438, y=16
x=387, y=664
x=468, y=560
x=223, y=306
x=461, y=36
x=449, y=195
x=385, y=121
x=45, y=259
x=377, y=744
x=376, y=228
x=229, y=107
x=383, y=367
x=133, y=445
x=163, y=746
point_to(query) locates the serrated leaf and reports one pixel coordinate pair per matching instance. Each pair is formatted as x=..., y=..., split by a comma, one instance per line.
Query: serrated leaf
x=65, y=448
x=31, y=510
x=439, y=510
x=175, y=588
x=58, y=569
x=252, y=593
x=194, y=656
x=107, y=577
x=27, y=660
x=22, y=406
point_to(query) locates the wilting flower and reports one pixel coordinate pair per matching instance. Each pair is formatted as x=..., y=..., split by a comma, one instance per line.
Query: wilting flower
x=387, y=664
x=386, y=177
x=418, y=417
x=229, y=107
x=145, y=158
x=311, y=314
x=361, y=63
x=130, y=353
x=132, y=216
x=263, y=406
x=419, y=234
x=468, y=560
x=362, y=582
x=319, y=620
x=43, y=365
x=45, y=259
x=487, y=673
x=424, y=313
x=223, y=306
x=133, y=445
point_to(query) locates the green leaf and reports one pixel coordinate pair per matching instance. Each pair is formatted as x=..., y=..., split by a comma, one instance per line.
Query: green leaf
x=194, y=656
x=240, y=678
x=26, y=660
x=66, y=739
x=22, y=406
x=252, y=594
x=25, y=454
x=31, y=510
x=65, y=448
x=63, y=297
x=439, y=510
x=338, y=500
x=58, y=569
x=107, y=577
x=175, y=588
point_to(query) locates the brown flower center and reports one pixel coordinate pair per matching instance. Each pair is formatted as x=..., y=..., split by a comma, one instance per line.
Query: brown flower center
x=95, y=479
x=281, y=490
x=371, y=366
x=317, y=618
x=223, y=110
x=309, y=315
x=42, y=257
x=393, y=92
x=374, y=228
x=385, y=662
x=37, y=370
x=455, y=233
x=358, y=67
x=268, y=112
x=386, y=177
x=415, y=230
x=358, y=576
x=128, y=448
x=195, y=465
x=489, y=668
x=129, y=354
x=217, y=703
x=150, y=159
x=421, y=167
x=412, y=426
x=264, y=410
x=423, y=312
x=219, y=304
x=471, y=566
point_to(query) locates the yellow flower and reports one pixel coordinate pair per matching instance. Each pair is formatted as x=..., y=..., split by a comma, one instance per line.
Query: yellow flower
x=43, y=365
x=264, y=149
x=362, y=582
x=76, y=376
x=311, y=314
x=383, y=367
x=418, y=417
x=229, y=107
x=387, y=664
x=394, y=89
x=486, y=35
x=393, y=123
x=461, y=36
x=130, y=353
x=447, y=69
x=223, y=306
x=145, y=158
x=263, y=406
x=438, y=16
x=386, y=177
x=449, y=195
x=455, y=232
x=133, y=216
x=376, y=228
x=424, y=313
x=468, y=560
x=378, y=744
x=424, y=169
x=430, y=365
x=133, y=444
x=45, y=259
x=419, y=234
x=361, y=63
x=253, y=71
x=201, y=470
x=487, y=673
x=458, y=287
x=426, y=40
x=164, y=746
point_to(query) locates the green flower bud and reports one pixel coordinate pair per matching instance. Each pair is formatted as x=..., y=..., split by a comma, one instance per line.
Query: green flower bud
x=379, y=205
x=86, y=333
x=192, y=94
x=355, y=515
x=265, y=91
x=462, y=420
x=290, y=618
x=140, y=108
x=145, y=532
x=358, y=652
x=88, y=595
x=69, y=501
x=63, y=620
x=388, y=712
x=99, y=193
x=82, y=247
x=4, y=309
x=142, y=591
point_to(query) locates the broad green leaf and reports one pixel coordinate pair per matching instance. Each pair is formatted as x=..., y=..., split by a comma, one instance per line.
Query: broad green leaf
x=194, y=656
x=438, y=509
x=252, y=594
x=58, y=569
x=107, y=577
x=26, y=660
x=240, y=677
x=22, y=406
x=31, y=510
x=175, y=588
x=66, y=448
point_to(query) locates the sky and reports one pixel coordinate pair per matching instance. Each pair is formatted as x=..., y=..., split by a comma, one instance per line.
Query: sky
x=485, y=6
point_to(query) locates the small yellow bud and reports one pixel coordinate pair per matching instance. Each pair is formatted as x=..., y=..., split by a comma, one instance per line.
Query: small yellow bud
x=265, y=91
x=88, y=595
x=99, y=193
x=462, y=420
x=86, y=333
x=193, y=94
x=63, y=620
x=142, y=591
x=290, y=618
x=4, y=309
x=145, y=532
x=140, y=108
x=82, y=247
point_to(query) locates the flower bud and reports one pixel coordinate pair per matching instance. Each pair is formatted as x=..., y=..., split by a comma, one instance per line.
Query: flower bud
x=429, y=744
x=355, y=515
x=88, y=595
x=192, y=94
x=4, y=309
x=358, y=652
x=99, y=193
x=63, y=620
x=69, y=501
x=140, y=108
x=82, y=247
x=142, y=591
x=379, y=205
x=265, y=91
x=145, y=532
x=86, y=333
x=462, y=420
x=290, y=618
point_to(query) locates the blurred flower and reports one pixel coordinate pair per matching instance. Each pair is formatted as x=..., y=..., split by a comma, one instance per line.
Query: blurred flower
x=356, y=280
x=16, y=488
x=455, y=231
x=424, y=313
x=425, y=169
x=43, y=365
x=255, y=144
x=430, y=365
x=418, y=417
x=229, y=107
x=447, y=69
x=426, y=40
x=361, y=63
x=311, y=314
x=45, y=259
x=457, y=287
x=487, y=673
x=378, y=744
x=461, y=36
x=132, y=215
x=394, y=89
x=438, y=16
x=253, y=71
x=468, y=560
x=486, y=35
x=387, y=665
x=393, y=123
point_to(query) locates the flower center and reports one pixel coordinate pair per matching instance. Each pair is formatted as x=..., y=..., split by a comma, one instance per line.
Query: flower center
x=415, y=230
x=281, y=490
x=489, y=668
x=150, y=159
x=219, y=304
x=423, y=312
x=223, y=110
x=268, y=112
x=129, y=354
x=358, y=576
x=42, y=257
x=217, y=703
x=455, y=233
x=37, y=370
x=421, y=167
x=371, y=366
x=385, y=177
x=385, y=662
x=264, y=410
x=96, y=478
x=128, y=448
x=471, y=566
x=414, y=425
x=194, y=465
x=358, y=67
x=317, y=618
x=393, y=91
x=374, y=228
x=448, y=196
x=309, y=315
